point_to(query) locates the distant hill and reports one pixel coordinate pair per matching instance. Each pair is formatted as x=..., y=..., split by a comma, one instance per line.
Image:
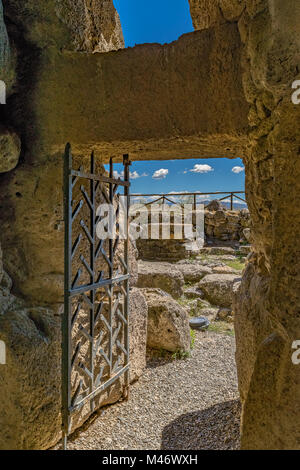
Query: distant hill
x=236, y=205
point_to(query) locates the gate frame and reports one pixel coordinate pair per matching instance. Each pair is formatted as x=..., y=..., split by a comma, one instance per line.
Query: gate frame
x=70, y=176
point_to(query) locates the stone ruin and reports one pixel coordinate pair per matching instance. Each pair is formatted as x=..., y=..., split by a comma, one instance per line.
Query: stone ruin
x=165, y=240
x=223, y=90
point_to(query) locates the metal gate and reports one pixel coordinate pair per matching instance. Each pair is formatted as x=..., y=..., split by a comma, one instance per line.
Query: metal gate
x=95, y=323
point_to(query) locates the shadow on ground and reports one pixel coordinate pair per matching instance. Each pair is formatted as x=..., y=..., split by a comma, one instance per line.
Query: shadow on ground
x=158, y=358
x=215, y=428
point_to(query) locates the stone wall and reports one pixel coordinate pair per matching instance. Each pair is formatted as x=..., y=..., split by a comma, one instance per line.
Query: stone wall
x=226, y=225
x=267, y=304
x=162, y=250
x=32, y=217
x=267, y=323
x=220, y=225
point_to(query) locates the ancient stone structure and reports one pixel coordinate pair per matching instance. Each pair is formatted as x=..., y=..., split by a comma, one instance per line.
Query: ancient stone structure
x=224, y=90
x=226, y=225
x=162, y=250
x=220, y=224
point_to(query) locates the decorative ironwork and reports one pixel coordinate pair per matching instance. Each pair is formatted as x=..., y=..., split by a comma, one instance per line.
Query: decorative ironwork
x=95, y=323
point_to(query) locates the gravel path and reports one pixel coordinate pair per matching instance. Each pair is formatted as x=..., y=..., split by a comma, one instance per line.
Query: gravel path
x=177, y=404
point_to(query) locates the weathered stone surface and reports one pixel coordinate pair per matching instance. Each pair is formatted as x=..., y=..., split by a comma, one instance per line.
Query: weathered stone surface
x=10, y=147
x=138, y=328
x=7, y=56
x=69, y=24
x=258, y=375
x=6, y=298
x=207, y=13
x=32, y=231
x=30, y=381
x=214, y=205
x=162, y=250
x=1, y=265
x=168, y=323
x=247, y=234
x=210, y=313
x=196, y=305
x=207, y=121
x=161, y=275
x=193, y=272
x=218, y=250
x=218, y=288
x=245, y=250
x=267, y=306
x=193, y=293
x=223, y=224
x=225, y=314
x=224, y=270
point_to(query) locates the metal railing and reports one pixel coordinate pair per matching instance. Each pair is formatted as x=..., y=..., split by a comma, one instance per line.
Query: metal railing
x=166, y=197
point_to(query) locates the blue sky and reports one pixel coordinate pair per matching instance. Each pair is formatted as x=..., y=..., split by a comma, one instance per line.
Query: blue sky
x=153, y=21
x=164, y=21
x=192, y=175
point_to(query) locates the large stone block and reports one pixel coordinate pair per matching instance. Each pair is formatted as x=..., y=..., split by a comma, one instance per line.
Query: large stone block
x=208, y=120
x=31, y=378
x=164, y=276
x=193, y=272
x=168, y=322
x=138, y=329
x=218, y=288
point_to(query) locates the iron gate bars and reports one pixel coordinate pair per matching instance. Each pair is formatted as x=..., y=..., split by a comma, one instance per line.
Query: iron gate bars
x=95, y=321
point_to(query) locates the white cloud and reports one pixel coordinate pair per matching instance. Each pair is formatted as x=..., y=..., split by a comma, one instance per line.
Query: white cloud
x=238, y=169
x=133, y=175
x=198, y=168
x=177, y=192
x=160, y=174
x=118, y=175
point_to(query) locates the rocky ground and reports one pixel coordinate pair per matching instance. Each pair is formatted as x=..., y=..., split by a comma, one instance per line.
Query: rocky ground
x=204, y=284
x=177, y=404
x=187, y=397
